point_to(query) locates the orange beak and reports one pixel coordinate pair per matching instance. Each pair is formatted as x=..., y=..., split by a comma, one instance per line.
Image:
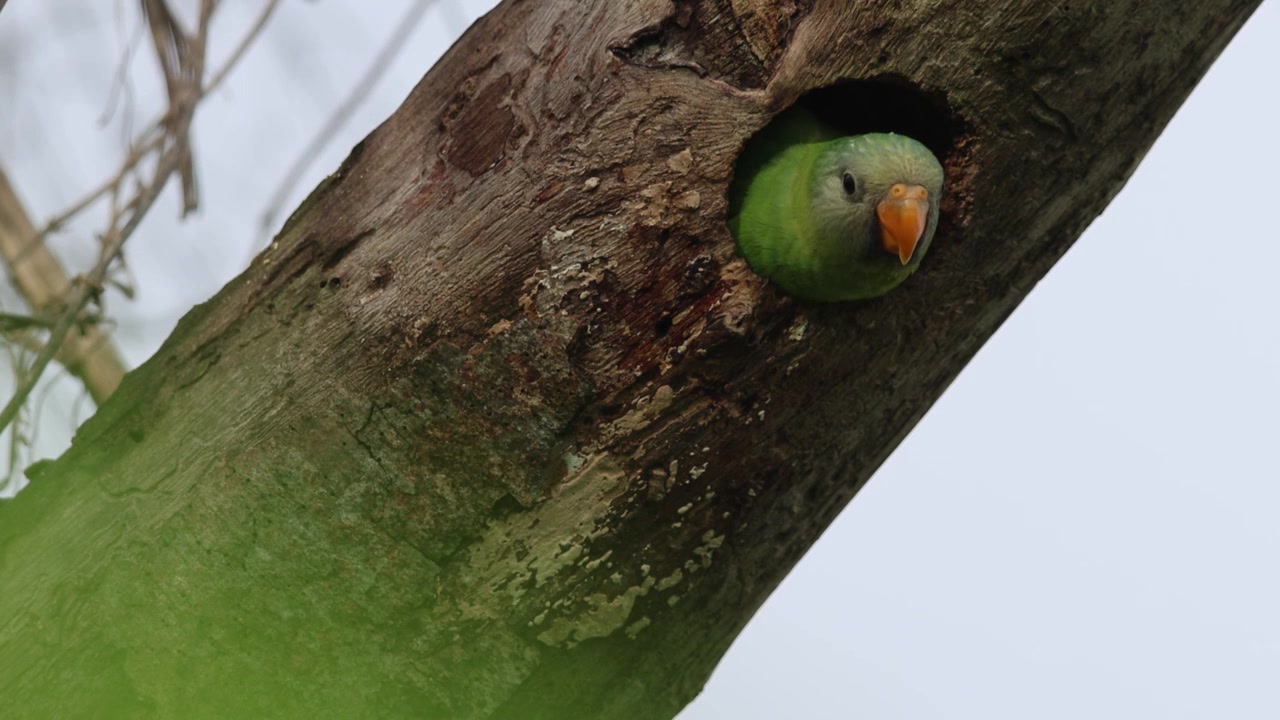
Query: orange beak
x=903, y=215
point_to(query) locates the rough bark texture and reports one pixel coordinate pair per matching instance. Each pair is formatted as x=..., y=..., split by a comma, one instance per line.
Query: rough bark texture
x=498, y=427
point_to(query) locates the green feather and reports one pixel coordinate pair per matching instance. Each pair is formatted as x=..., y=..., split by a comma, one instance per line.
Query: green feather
x=796, y=225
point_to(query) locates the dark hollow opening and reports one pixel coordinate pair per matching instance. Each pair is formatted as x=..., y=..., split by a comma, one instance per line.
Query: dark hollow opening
x=888, y=103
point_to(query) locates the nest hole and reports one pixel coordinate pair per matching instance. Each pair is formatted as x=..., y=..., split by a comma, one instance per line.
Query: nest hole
x=888, y=103
x=893, y=103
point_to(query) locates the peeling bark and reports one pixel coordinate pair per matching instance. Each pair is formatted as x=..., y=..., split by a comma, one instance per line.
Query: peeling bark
x=498, y=427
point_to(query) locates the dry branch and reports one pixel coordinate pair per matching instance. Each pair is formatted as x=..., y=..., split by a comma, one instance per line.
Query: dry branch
x=40, y=278
x=175, y=156
x=89, y=355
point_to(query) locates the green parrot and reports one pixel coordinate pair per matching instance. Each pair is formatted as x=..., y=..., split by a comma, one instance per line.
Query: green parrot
x=833, y=217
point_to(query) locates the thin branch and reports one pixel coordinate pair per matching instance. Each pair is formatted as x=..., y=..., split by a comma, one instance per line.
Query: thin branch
x=15, y=455
x=13, y=322
x=89, y=287
x=174, y=52
x=92, y=357
x=153, y=137
x=152, y=140
x=395, y=43
x=41, y=280
x=239, y=52
x=15, y=354
x=121, y=89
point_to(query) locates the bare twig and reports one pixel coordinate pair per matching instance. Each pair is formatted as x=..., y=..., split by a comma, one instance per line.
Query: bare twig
x=184, y=95
x=121, y=90
x=16, y=443
x=153, y=137
x=234, y=58
x=340, y=116
x=150, y=141
x=90, y=356
x=173, y=51
x=17, y=432
x=13, y=322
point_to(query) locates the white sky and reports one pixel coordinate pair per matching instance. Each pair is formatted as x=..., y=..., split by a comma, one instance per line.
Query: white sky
x=1087, y=524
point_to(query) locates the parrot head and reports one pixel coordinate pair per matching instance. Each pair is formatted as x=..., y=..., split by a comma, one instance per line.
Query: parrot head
x=879, y=191
x=832, y=217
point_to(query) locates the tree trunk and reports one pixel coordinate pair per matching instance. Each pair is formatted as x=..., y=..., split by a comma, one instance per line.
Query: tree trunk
x=498, y=427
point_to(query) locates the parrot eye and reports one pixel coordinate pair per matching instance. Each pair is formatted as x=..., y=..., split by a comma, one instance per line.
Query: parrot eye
x=850, y=185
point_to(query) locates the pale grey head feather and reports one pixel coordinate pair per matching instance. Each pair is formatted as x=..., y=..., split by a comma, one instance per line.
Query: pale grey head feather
x=876, y=162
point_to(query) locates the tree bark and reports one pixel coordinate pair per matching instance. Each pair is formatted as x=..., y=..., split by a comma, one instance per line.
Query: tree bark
x=498, y=427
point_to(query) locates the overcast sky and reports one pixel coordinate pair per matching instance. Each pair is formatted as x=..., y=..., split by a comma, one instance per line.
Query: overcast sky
x=1087, y=524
